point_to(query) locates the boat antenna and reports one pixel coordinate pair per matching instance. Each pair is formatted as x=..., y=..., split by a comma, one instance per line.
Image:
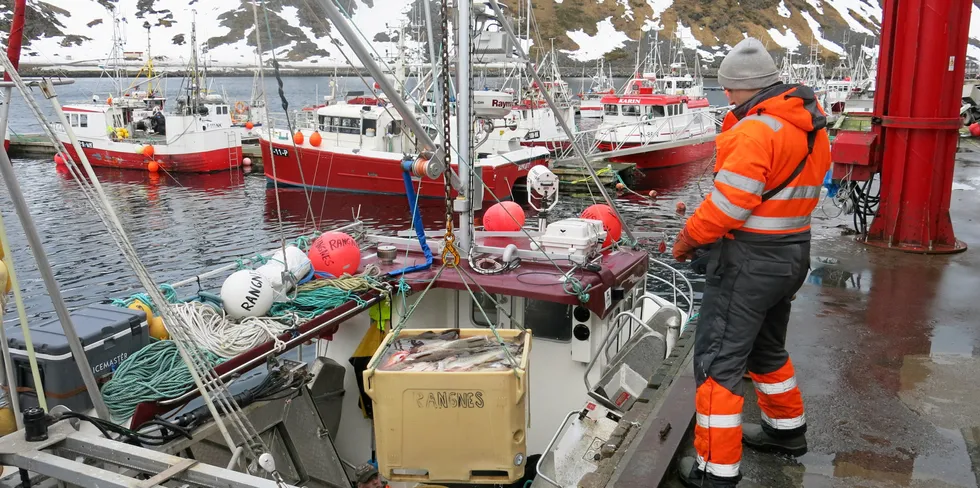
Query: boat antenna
x=576, y=145
x=195, y=82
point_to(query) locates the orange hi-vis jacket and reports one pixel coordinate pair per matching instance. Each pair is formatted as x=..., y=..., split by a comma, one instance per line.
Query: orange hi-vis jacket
x=761, y=145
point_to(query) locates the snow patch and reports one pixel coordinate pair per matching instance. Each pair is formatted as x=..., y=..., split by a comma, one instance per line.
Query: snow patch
x=787, y=41
x=659, y=6
x=782, y=10
x=816, y=5
x=843, y=7
x=686, y=36
x=815, y=28
x=706, y=56
x=606, y=40
x=628, y=10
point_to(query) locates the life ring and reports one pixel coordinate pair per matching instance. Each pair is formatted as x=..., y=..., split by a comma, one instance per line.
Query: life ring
x=240, y=107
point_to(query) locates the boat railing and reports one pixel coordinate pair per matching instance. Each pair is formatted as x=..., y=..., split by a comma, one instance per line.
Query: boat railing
x=655, y=130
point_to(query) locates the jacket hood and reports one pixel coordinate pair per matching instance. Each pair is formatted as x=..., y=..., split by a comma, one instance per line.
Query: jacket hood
x=796, y=104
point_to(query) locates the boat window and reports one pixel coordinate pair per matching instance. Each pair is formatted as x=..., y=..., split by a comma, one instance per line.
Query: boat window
x=633, y=110
x=323, y=123
x=680, y=109
x=369, y=125
x=655, y=110
x=486, y=301
x=74, y=120
x=612, y=109
x=685, y=84
x=395, y=128
x=83, y=120
x=549, y=320
x=343, y=125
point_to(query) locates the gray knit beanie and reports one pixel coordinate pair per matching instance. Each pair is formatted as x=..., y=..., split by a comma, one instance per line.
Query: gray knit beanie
x=747, y=67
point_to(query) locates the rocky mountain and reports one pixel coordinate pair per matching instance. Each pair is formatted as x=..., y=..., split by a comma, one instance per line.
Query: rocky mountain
x=79, y=33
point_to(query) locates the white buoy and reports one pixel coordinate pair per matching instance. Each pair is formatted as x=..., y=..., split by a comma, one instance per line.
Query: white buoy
x=247, y=293
x=299, y=267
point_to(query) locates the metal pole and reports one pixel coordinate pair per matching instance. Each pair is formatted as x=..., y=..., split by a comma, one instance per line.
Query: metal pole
x=433, y=57
x=561, y=120
x=464, y=121
x=408, y=115
x=44, y=267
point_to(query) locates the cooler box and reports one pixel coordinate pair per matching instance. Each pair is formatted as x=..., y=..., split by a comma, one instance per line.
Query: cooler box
x=109, y=335
x=426, y=434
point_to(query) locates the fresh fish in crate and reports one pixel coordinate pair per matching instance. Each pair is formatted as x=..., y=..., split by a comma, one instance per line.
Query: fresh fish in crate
x=447, y=352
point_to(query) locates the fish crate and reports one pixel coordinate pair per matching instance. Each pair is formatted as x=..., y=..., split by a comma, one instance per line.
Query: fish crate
x=451, y=426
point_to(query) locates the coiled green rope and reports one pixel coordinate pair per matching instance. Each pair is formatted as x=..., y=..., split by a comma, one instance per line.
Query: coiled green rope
x=168, y=292
x=152, y=373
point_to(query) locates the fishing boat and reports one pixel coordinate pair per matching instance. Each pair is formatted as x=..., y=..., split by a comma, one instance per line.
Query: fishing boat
x=655, y=130
x=137, y=130
x=600, y=85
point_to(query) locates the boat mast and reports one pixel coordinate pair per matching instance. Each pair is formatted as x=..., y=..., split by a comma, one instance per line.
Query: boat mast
x=195, y=84
x=464, y=119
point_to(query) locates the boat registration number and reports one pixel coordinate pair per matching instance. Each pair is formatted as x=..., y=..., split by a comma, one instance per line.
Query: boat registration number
x=532, y=134
x=278, y=151
x=85, y=144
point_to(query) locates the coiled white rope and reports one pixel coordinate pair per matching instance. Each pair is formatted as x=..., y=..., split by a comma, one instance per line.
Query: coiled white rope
x=212, y=330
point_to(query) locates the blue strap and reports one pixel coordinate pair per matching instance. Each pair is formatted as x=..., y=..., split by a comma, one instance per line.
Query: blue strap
x=417, y=223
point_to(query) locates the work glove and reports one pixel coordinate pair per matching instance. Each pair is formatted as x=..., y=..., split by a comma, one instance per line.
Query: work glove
x=684, y=246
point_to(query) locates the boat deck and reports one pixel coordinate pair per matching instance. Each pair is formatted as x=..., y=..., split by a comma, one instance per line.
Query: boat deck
x=886, y=347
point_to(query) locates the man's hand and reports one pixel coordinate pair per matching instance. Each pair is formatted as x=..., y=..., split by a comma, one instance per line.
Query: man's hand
x=684, y=246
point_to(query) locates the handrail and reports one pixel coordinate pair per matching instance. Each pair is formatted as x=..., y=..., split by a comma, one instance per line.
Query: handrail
x=688, y=297
x=551, y=444
x=617, y=328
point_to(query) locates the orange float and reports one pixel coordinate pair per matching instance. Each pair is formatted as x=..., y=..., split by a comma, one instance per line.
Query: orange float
x=298, y=137
x=315, y=139
x=611, y=224
x=148, y=150
x=249, y=125
x=335, y=253
x=504, y=217
x=153, y=166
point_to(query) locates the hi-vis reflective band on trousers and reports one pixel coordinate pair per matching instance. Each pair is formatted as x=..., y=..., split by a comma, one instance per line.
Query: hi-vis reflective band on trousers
x=723, y=470
x=779, y=398
x=719, y=421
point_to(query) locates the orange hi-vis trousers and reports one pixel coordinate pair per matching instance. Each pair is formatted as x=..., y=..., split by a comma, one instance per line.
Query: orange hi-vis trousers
x=742, y=327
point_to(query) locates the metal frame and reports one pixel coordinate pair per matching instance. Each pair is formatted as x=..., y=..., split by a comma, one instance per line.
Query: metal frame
x=551, y=445
x=43, y=458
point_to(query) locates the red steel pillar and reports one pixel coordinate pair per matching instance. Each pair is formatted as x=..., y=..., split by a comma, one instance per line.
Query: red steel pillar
x=16, y=36
x=918, y=94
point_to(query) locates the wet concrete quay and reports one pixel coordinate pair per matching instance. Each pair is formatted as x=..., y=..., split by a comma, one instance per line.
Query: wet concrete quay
x=886, y=348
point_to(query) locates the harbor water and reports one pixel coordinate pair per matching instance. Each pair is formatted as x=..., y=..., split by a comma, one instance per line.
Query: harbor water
x=184, y=224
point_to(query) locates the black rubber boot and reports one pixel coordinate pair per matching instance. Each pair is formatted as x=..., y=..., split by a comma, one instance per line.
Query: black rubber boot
x=754, y=436
x=692, y=477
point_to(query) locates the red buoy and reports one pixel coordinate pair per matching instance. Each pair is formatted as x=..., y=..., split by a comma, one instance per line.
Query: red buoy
x=681, y=207
x=316, y=139
x=249, y=125
x=975, y=129
x=504, y=217
x=612, y=225
x=153, y=166
x=59, y=160
x=335, y=253
x=148, y=150
x=298, y=137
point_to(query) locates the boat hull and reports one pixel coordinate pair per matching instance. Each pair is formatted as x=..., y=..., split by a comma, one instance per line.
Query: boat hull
x=372, y=172
x=197, y=162
x=656, y=157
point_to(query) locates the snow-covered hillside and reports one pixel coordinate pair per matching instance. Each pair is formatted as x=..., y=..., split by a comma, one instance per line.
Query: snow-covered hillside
x=79, y=32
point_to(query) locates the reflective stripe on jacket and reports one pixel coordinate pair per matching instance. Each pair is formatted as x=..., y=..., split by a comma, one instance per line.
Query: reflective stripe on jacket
x=761, y=144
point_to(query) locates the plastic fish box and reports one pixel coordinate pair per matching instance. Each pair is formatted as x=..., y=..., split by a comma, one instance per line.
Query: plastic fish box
x=109, y=334
x=455, y=427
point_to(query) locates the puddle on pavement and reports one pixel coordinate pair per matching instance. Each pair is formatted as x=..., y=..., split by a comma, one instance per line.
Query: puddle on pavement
x=826, y=271
x=953, y=341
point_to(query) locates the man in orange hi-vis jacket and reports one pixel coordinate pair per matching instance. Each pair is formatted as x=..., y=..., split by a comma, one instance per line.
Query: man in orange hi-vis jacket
x=773, y=153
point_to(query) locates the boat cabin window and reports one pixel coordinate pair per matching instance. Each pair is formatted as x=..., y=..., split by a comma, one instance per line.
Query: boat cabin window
x=370, y=127
x=612, y=109
x=481, y=299
x=655, y=111
x=685, y=84
x=83, y=120
x=395, y=128
x=342, y=125
x=73, y=120
x=552, y=321
x=633, y=110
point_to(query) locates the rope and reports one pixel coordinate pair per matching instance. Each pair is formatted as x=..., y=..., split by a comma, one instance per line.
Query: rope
x=368, y=280
x=152, y=373
x=168, y=292
x=210, y=329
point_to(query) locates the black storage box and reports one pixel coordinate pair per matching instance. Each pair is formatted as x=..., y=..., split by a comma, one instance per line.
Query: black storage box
x=109, y=335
